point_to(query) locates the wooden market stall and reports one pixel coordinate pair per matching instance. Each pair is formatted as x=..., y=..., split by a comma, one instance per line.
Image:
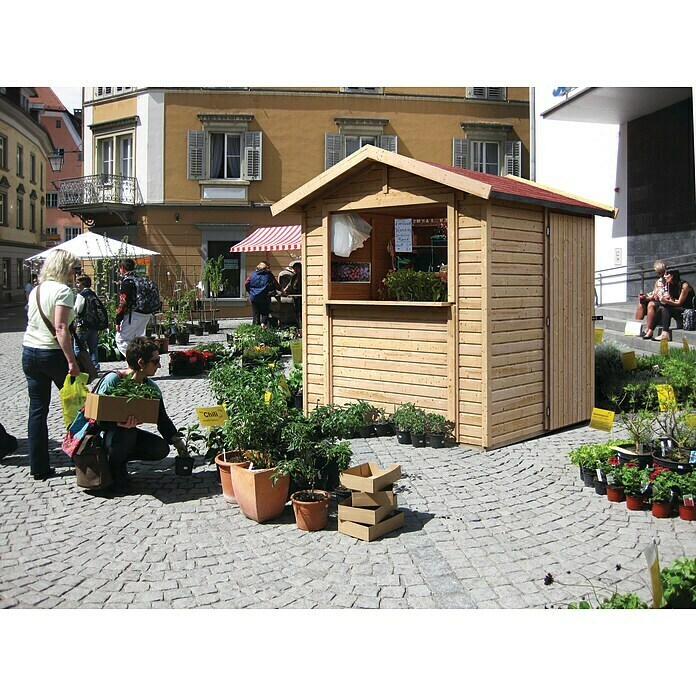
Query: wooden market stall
x=509, y=354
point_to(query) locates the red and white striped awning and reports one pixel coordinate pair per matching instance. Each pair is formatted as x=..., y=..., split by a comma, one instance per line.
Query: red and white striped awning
x=271, y=239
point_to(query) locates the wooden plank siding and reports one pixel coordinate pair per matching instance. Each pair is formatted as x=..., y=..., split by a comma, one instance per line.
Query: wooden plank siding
x=469, y=246
x=390, y=356
x=571, y=309
x=516, y=323
x=313, y=310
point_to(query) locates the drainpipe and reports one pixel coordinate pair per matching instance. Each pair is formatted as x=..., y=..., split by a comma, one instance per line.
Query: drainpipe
x=532, y=136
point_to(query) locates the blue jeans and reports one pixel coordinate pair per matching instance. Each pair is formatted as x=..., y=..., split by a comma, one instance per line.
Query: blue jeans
x=91, y=338
x=41, y=367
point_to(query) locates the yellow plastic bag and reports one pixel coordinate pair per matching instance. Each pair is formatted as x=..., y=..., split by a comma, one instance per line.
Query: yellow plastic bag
x=73, y=396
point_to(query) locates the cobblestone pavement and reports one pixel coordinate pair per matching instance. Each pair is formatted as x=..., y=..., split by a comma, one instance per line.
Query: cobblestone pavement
x=481, y=529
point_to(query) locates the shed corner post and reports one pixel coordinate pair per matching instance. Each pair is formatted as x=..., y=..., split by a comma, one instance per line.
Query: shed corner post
x=486, y=222
x=327, y=322
x=452, y=296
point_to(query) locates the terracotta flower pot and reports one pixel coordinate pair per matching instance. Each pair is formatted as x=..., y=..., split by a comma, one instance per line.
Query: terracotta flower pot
x=634, y=502
x=311, y=515
x=256, y=495
x=662, y=509
x=687, y=513
x=615, y=495
x=225, y=461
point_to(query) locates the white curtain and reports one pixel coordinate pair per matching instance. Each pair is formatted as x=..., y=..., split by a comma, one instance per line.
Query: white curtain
x=348, y=233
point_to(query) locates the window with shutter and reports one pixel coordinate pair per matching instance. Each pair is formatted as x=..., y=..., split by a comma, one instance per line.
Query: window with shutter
x=387, y=142
x=492, y=93
x=513, y=157
x=333, y=148
x=252, y=155
x=460, y=153
x=196, y=149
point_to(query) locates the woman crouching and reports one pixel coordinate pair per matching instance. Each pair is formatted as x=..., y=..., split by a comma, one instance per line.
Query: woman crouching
x=125, y=441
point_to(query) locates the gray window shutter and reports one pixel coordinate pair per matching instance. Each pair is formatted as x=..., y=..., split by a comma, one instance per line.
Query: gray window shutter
x=513, y=157
x=252, y=155
x=460, y=153
x=387, y=142
x=196, y=154
x=333, y=146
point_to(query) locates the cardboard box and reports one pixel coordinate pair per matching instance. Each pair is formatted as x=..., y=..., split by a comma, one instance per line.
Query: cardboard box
x=369, y=478
x=365, y=515
x=374, y=531
x=374, y=499
x=117, y=408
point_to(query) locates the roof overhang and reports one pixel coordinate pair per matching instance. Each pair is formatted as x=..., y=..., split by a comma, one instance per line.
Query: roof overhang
x=367, y=154
x=615, y=104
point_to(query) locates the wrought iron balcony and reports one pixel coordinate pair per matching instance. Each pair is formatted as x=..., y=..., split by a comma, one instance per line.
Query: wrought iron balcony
x=98, y=192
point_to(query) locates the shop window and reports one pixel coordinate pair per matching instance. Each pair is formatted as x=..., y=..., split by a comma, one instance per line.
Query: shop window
x=232, y=281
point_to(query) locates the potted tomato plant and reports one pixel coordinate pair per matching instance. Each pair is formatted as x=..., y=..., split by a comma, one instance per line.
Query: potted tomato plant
x=663, y=485
x=634, y=482
x=687, y=496
x=438, y=428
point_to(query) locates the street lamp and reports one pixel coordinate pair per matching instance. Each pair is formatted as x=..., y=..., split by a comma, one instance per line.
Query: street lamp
x=56, y=160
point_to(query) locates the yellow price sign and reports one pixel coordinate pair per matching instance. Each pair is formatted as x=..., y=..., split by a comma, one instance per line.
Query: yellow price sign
x=602, y=420
x=209, y=416
x=629, y=361
x=685, y=345
x=598, y=335
x=691, y=420
x=267, y=397
x=296, y=350
x=653, y=561
x=665, y=397
x=664, y=346
x=283, y=386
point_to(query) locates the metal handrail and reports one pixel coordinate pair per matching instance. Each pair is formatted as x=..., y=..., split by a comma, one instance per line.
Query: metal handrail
x=98, y=190
x=637, y=274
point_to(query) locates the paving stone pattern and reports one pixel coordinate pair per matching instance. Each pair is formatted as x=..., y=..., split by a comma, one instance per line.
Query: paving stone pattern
x=481, y=529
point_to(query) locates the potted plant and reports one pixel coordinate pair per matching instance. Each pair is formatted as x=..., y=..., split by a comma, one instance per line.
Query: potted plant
x=687, y=496
x=360, y=417
x=417, y=427
x=634, y=482
x=640, y=426
x=403, y=415
x=679, y=583
x=587, y=457
x=679, y=441
x=383, y=422
x=191, y=435
x=437, y=428
x=213, y=270
x=663, y=484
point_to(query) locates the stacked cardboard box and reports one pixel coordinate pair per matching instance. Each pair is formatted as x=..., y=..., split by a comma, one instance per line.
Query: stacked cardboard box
x=370, y=511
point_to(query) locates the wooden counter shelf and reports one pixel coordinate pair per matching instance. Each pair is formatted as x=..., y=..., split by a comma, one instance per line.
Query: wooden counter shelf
x=388, y=303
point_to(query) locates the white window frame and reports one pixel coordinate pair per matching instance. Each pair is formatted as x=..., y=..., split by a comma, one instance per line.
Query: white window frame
x=480, y=163
x=336, y=144
x=509, y=147
x=209, y=154
x=116, y=162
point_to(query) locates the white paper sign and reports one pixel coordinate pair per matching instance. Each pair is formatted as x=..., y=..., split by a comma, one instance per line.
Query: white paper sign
x=403, y=235
x=632, y=328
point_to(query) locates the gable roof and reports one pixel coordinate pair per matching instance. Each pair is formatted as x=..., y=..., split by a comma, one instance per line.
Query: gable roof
x=484, y=186
x=47, y=97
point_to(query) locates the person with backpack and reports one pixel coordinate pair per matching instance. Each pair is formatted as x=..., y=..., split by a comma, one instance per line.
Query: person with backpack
x=261, y=285
x=90, y=316
x=138, y=300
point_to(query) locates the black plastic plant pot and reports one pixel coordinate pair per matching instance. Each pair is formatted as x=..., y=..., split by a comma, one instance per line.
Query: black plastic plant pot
x=403, y=437
x=183, y=466
x=436, y=439
x=198, y=330
x=600, y=487
x=418, y=440
x=681, y=467
x=383, y=429
x=298, y=401
x=182, y=339
x=643, y=460
x=588, y=477
x=365, y=431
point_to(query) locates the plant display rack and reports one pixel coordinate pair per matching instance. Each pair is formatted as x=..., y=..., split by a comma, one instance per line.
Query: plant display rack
x=370, y=511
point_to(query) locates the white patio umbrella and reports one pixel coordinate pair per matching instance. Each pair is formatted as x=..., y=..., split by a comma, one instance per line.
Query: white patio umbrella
x=90, y=245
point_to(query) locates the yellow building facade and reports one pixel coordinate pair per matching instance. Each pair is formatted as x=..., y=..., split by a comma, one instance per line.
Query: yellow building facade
x=189, y=172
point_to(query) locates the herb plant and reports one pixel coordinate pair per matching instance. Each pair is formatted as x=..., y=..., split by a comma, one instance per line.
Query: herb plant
x=130, y=389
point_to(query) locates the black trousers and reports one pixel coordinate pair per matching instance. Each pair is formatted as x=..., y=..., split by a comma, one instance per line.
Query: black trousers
x=666, y=314
x=133, y=444
x=260, y=309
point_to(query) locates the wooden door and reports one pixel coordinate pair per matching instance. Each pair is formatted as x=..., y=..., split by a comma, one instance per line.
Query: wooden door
x=570, y=305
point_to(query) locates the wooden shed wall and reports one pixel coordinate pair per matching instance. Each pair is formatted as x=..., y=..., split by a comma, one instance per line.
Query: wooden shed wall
x=515, y=323
x=470, y=230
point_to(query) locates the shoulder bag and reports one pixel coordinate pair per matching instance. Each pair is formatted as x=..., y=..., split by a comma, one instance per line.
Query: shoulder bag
x=84, y=359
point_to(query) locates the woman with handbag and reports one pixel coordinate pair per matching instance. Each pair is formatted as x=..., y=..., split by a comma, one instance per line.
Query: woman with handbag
x=48, y=355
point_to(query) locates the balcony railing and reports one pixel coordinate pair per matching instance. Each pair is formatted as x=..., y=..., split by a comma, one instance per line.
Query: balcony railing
x=101, y=189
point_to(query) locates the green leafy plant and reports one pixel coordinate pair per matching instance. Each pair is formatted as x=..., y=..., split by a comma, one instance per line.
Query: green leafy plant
x=382, y=417
x=616, y=601
x=257, y=354
x=676, y=425
x=589, y=456
x=679, y=583
x=294, y=380
x=359, y=413
x=414, y=286
x=418, y=422
x=128, y=388
x=640, y=426
x=193, y=437
x=663, y=486
x=403, y=415
x=632, y=479
x=437, y=424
